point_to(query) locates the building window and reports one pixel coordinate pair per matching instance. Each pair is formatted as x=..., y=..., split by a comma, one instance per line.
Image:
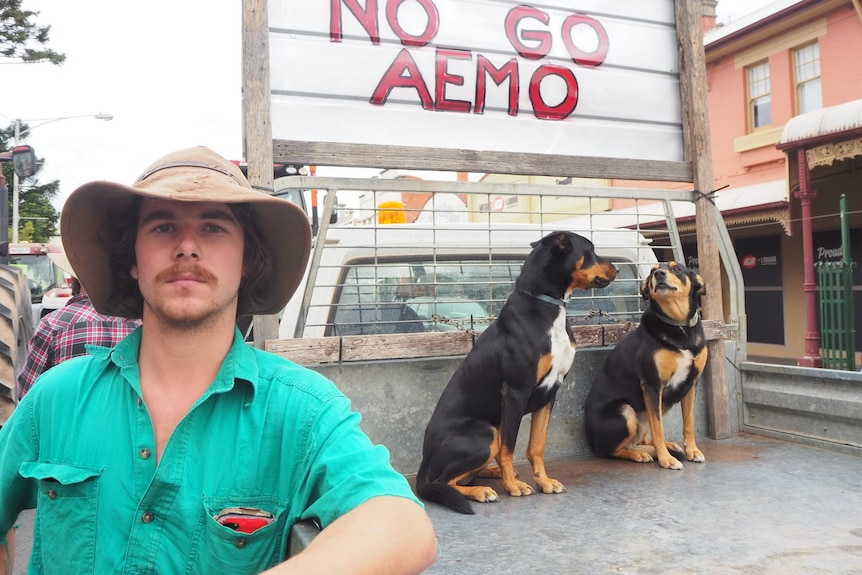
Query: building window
x=809, y=95
x=759, y=98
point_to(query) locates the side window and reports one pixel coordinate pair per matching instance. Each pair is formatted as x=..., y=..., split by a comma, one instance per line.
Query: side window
x=368, y=301
x=375, y=297
x=759, y=96
x=809, y=95
x=382, y=297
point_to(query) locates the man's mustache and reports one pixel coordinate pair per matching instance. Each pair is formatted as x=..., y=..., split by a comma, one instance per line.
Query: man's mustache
x=177, y=270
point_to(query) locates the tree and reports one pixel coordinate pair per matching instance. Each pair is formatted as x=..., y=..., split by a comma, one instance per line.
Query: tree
x=37, y=214
x=22, y=39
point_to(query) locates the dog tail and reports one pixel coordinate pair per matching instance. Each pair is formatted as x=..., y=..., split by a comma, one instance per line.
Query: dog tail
x=444, y=495
x=441, y=493
x=677, y=453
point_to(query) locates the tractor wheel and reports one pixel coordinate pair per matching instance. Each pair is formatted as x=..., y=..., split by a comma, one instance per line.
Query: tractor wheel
x=16, y=328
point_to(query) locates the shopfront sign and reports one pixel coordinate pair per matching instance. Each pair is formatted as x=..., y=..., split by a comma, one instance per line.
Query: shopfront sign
x=574, y=78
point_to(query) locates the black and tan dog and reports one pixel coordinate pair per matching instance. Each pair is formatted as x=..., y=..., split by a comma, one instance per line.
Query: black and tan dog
x=649, y=371
x=515, y=368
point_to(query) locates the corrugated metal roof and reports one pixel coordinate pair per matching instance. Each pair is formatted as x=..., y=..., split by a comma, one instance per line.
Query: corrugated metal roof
x=823, y=122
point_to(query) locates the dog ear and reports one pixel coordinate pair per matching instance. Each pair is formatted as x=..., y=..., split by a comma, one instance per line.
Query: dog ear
x=697, y=284
x=645, y=293
x=559, y=242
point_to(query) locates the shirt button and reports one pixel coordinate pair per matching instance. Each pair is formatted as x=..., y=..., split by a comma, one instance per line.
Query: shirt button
x=148, y=517
x=52, y=494
x=140, y=402
x=145, y=453
x=240, y=543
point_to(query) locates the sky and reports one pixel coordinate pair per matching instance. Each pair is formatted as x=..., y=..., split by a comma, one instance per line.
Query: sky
x=168, y=71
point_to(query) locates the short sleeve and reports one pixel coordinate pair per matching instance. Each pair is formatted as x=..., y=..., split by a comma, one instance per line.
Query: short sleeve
x=344, y=468
x=17, y=447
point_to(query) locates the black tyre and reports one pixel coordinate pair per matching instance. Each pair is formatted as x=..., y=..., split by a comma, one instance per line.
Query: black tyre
x=16, y=329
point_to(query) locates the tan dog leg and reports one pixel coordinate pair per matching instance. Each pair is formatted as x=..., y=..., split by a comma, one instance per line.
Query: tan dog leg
x=513, y=485
x=536, y=451
x=633, y=446
x=692, y=453
x=480, y=493
x=656, y=426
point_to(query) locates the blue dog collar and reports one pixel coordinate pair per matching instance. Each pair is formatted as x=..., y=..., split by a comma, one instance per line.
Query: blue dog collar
x=545, y=298
x=681, y=323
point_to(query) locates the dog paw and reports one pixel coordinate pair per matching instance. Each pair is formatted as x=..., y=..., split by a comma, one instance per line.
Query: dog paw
x=670, y=462
x=549, y=485
x=695, y=455
x=519, y=488
x=638, y=454
x=483, y=495
x=643, y=457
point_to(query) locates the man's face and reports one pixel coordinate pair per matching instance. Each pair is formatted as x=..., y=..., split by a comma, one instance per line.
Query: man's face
x=189, y=261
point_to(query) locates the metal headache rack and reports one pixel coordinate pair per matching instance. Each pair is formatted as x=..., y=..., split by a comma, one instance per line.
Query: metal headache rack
x=453, y=265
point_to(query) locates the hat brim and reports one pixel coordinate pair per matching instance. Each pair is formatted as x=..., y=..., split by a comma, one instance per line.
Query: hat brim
x=282, y=226
x=62, y=261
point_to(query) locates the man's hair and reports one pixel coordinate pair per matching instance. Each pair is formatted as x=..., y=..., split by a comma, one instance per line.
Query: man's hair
x=120, y=233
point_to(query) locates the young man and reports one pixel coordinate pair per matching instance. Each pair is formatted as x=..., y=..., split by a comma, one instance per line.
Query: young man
x=64, y=333
x=183, y=450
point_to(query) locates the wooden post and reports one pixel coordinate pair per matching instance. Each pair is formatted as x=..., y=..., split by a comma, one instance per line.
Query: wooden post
x=689, y=28
x=257, y=127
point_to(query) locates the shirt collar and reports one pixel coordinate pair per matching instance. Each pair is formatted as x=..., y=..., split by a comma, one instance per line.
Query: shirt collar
x=240, y=364
x=78, y=297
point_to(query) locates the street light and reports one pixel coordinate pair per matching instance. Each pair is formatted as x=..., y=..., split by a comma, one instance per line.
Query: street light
x=15, y=217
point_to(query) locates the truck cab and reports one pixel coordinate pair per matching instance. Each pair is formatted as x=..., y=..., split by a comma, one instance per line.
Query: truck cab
x=48, y=285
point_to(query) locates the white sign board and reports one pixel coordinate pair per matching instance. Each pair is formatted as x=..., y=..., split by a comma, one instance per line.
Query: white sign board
x=597, y=78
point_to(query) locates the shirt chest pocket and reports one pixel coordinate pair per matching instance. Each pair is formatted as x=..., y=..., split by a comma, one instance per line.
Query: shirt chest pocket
x=66, y=513
x=227, y=550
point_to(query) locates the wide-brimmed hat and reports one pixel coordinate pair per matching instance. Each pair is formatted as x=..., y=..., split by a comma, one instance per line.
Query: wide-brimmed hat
x=190, y=175
x=62, y=261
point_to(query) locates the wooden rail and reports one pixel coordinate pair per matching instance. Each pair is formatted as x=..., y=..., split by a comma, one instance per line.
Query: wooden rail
x=342, y=349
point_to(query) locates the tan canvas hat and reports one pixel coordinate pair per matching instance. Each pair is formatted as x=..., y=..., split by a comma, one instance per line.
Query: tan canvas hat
x=190, y=175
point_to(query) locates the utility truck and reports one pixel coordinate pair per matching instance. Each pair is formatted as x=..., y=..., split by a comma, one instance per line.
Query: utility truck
x=47, y=283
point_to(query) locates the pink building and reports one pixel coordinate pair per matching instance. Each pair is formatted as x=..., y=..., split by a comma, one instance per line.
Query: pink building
x=785, y=84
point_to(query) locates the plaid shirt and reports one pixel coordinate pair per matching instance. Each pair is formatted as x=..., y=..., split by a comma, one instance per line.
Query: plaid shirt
x=63, y=333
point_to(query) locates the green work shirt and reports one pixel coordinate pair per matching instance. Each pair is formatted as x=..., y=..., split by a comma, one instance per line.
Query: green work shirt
x=267, y=434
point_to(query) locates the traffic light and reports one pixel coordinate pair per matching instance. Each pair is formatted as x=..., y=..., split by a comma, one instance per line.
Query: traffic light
x=24, y=159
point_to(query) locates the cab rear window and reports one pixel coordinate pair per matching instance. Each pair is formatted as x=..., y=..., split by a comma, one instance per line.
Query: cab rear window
x=377, y=296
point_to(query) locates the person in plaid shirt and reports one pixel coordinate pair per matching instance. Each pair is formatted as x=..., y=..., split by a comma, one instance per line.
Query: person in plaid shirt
x=65, y=333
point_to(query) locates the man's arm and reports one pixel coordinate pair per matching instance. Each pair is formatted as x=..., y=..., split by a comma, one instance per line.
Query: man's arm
x=383, y=536
x=7, y=553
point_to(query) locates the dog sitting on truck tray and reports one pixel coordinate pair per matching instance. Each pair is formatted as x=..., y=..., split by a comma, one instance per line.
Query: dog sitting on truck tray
x=649, y=371
x=515, y=368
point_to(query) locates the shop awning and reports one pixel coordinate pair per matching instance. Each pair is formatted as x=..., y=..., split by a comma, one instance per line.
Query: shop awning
x=823, y=123
x=767, y=201
x=829, y=135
